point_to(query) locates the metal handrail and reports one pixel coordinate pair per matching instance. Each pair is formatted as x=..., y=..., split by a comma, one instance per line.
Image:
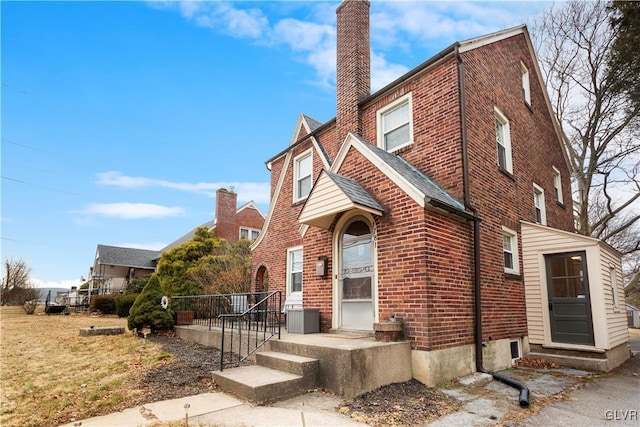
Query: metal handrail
x=263, y=318
x=250, y=320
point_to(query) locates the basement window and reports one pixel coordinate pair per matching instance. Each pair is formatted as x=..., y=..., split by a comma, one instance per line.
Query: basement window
x=516, y=350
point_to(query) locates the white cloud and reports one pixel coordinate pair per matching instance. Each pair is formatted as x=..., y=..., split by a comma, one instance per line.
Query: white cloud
x=256, y=191
x=395, y=26
x=132, y=210
x=383, y=73
x=38, y=283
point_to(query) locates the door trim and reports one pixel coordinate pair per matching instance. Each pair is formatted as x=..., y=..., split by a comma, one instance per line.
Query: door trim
x=552, y=309
x=336, y=320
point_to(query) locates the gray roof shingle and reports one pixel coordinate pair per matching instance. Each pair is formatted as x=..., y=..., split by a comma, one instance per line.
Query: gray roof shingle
x=417, y=178
x=354, y=191
x=128, y=257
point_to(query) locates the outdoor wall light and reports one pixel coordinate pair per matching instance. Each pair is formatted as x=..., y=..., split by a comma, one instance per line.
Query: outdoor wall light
x=322, y=266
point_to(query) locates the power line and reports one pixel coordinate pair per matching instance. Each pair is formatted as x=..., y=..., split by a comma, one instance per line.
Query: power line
x=36, y=185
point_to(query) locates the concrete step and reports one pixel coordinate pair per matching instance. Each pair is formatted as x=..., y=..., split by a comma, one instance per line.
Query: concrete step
x=300, y=365
x=259, y=384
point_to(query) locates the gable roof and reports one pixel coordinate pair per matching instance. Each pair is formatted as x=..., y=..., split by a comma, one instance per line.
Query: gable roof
x=126, y=257
x=331, y=194
x=416, y=184
x=209, y=225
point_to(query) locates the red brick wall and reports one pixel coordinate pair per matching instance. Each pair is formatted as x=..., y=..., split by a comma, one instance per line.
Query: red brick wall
x=226, y=215
x=493, y=78
x=249, y=217
x=436, y=124
x=283, y=231
x=425, y=259
x=353, y=80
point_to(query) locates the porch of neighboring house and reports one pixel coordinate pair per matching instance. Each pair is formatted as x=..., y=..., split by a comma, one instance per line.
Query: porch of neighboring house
x=290, y=363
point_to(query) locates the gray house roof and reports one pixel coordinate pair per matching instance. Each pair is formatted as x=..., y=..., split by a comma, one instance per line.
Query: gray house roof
x=354, y=191
x=127, y=257
x=313, y=123
x=418, y=179
x=185, y=238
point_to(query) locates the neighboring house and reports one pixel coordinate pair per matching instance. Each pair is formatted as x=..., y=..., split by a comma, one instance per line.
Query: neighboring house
x=114, y=266
x=442, y=201
x=633, y=316
x=231, y=222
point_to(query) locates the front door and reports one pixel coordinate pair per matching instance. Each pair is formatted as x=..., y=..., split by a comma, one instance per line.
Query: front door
x=569, y=301
x=356, y=279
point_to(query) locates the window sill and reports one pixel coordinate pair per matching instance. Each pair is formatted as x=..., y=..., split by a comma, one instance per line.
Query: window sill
x=562, y=205
x=513, y=276
x=529, y=106
x=299, y=202
x=507, y=173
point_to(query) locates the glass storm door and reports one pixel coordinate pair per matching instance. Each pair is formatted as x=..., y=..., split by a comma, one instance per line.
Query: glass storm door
x=356, y=277
x=569, y=300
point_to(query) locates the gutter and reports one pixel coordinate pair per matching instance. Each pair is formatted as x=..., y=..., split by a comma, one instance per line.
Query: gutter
x=523, y=399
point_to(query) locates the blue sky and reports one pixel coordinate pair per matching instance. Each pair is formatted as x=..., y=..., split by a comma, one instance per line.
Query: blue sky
x=120, y=120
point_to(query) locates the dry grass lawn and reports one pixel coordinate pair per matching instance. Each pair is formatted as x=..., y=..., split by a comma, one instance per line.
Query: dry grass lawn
x=51, y=376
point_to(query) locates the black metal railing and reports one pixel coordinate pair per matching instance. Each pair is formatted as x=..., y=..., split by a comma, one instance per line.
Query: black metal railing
x=247, y=320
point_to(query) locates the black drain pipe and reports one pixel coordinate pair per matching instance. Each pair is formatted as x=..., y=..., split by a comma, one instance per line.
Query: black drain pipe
x=523, y=399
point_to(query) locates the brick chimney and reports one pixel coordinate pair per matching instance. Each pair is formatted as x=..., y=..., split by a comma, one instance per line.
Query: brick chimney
x=226, y=227
x=353, y=74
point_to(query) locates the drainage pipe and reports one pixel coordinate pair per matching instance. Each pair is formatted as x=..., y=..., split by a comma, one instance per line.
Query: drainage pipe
x=523, y=399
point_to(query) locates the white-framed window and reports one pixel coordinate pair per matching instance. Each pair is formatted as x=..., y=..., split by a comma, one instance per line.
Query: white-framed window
x=526, y=86
x=294, y=270
x=249, y=233
x=613, y=281
x=510, y=251
x=538, y=202
x=302, y=171
x=395, y=124
x=557, y=185
x=503, y=141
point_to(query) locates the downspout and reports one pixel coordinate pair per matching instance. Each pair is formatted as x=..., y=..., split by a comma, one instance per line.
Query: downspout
x=523, y=399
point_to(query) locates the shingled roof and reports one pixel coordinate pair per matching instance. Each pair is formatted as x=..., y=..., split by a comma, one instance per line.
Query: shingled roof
x=127, y=257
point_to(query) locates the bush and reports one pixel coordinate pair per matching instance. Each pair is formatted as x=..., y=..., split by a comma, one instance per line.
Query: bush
x=147, y=309
x=124, y=303
x=106, y=304
x=136, y=285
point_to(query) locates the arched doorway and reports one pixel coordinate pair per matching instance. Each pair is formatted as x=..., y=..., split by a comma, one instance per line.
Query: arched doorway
x=355, y=288
x=262, y=279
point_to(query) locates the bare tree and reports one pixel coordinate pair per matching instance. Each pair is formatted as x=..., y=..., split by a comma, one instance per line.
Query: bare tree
x=16, y=288
x=574, y=41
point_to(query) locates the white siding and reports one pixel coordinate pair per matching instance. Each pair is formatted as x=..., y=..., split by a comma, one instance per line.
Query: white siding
x=609, y=325
x=326, y=199
x=617, y=331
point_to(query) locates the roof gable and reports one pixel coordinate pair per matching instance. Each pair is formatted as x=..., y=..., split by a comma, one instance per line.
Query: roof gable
x=413, y=182
x=333, y=193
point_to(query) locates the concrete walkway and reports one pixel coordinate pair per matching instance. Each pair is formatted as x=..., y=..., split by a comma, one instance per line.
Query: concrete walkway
x=606, y=399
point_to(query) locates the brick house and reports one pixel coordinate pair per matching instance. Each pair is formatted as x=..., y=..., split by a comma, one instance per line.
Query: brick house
x=114, y=267
x=414, y=203
x=230, y=222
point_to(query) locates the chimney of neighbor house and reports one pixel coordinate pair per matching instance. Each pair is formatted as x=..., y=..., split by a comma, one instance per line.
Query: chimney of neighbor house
x=353, y=73
x=226, y=227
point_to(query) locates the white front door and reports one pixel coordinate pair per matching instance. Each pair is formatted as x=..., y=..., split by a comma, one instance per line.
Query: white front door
x=356, y=277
